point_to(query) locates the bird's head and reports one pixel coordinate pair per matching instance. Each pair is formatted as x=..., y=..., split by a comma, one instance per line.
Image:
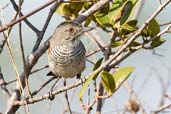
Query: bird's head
x=69, y=31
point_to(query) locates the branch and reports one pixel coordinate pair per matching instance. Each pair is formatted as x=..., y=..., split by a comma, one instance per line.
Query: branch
x=16, y=8
x=2, y=44
x=42, y=86
x=4, y=27
x=160, y=109
x=3, y=86
x=41, y=34
x=96, y=7
x=55, y=92
x=30, y=62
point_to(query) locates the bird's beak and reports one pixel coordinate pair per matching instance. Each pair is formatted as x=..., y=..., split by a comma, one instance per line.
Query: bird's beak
x=86, y=29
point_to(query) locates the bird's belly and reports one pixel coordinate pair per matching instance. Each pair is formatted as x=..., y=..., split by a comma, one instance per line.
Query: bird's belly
x=68, y=70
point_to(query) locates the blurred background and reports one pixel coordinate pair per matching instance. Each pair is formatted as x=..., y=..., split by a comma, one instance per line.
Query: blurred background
x=152, y=68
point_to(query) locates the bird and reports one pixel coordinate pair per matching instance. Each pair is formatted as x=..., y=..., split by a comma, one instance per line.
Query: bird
x=66, y=53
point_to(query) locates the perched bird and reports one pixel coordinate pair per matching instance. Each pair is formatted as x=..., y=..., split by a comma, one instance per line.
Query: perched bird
x=66, y=53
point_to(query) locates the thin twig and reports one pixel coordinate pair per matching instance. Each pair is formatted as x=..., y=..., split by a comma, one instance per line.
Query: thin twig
x=40, y=36
x=39, y=69
x=22, y=48
x=95, y=51
x=13, y=108
x=3, y=86
x=42, y=86
x=114, y=36
x=160, y=109
x=94, y=39
x=55, y=92
x=165, y=24
x=88, y=107
x=5, y=6
x=32, y=72
x=2, y=44
x=6, y=26
x=21, y=90
x=17, y=9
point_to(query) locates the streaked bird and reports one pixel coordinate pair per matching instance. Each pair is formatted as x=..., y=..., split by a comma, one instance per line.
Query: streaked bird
x=66, y=53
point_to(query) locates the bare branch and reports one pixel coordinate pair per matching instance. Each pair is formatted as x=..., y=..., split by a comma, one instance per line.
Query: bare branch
x=41, y=34
x=3, y=86
x=15, y=6
x=42, y=86
x=30, y=62
x=160, y=109
x=4, y=27
x=46, y=96
x=2, y=44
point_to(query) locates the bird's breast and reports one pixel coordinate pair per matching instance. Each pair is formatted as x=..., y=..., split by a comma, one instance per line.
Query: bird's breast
x=67, y=53
x=67, y=60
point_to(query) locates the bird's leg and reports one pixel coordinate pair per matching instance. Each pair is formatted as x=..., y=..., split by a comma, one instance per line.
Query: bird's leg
x=79, y=78
x=50, y=73
x=51, y=96
x=67, y=99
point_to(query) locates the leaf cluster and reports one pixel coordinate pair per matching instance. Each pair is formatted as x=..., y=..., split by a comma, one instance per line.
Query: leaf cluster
x=110, y=81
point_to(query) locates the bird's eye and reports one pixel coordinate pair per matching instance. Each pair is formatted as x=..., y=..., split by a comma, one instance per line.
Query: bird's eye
x=71, y=30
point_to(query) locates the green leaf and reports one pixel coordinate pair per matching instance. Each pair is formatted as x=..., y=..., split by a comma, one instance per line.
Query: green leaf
x=108, y=82
x=60, y=10
x=135, y=44
x=118, y=11
x=115, y=11
x=157, y=42
x=97, y=64
x=70, y=9
x=90, y=78
x=130, y=26
x=85, y=85
x=145, y=33
x=107, y=18
x=117, y=43
x=153, y=28
x=105, y=10
x=132, y=22
x=88, y=21
x=102, y=19
x=126, y=11
x=121, y=75
x=87, y=5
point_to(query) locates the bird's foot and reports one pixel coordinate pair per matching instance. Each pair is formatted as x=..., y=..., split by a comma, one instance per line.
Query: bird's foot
x=79, y=78
x=51, y=96
x=50, y=73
